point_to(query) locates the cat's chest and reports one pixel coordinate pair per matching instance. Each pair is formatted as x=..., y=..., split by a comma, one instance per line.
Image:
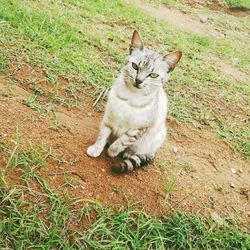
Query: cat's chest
x=122, y=115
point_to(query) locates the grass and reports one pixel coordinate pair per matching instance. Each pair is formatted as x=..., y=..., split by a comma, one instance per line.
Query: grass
x=34, y=216
x=62, y=46
x=23, y=226
x=238, y=3
x=82, y=44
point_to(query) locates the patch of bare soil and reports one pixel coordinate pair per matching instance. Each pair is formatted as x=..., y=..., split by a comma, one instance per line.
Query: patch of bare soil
x=232, y=71
x=194, y=172
x=219, y=6
x=238, y=11
x=178, y=19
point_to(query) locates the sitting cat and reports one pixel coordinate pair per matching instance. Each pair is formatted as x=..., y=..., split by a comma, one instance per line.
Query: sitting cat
x=135, y=114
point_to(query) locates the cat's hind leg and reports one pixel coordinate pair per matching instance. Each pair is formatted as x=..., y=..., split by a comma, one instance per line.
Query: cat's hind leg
x=96, y=149
x=132, y=162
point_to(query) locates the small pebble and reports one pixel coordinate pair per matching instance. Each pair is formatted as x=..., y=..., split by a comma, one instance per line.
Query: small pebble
x=233, y=170
x=235, y=61
x=89, y=114
x=174, y=149
x=240, y=170
x=203, y=18
x=232, y=185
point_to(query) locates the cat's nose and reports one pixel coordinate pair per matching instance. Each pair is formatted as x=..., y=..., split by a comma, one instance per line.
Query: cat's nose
x=138, y=81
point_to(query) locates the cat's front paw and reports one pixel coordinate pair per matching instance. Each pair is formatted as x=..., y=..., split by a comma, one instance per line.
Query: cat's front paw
x=113, y=152
x=93, y=151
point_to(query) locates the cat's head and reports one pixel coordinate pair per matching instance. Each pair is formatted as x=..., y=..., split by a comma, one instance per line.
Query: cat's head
x=146, y=69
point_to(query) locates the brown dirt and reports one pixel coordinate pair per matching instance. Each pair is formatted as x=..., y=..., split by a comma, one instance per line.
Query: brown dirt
x=232, y=71
x=188, y=22
x=177, y=19
x=202, y=166
x=219, y=6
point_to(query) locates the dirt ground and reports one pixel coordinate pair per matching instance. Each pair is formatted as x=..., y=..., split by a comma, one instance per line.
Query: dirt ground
x=194, y=171
x=218, y=6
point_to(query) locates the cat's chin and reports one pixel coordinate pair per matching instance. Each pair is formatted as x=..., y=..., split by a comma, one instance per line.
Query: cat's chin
x=132, y=86
x=138, y=87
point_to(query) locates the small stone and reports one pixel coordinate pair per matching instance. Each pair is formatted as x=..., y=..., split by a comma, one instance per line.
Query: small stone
x=235, y=61
x=232, y=185
x=233, y=170
x=203, y=18
x=240, y=170
x=89, y=114
x=174, y=149
x=218, y=219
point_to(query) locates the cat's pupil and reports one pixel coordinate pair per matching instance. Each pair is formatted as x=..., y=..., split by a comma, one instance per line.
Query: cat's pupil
x=135, y=66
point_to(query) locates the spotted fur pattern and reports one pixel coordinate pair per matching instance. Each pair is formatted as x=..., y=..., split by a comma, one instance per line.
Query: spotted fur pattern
x=135, y=114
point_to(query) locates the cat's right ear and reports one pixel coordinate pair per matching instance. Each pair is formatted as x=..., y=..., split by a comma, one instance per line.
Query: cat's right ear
x=172, y=59
x=136, y=42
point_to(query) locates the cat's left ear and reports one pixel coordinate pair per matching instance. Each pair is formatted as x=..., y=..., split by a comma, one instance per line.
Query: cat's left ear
x=172, y=59
x=136, y=42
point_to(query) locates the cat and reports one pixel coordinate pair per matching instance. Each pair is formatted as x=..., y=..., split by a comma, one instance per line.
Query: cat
x=134, y=122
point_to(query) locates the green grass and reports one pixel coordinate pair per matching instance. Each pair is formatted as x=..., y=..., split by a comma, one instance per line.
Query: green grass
x=238, y=3
x=21, y=227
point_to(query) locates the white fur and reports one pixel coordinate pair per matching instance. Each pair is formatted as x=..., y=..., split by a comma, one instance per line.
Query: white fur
x=123, y=115
x=135, y=114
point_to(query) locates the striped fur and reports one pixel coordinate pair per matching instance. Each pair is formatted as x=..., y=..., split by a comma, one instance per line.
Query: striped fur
x=135, y=114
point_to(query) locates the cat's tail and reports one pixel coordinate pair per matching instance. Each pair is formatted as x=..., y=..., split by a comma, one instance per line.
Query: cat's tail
x=132, y=162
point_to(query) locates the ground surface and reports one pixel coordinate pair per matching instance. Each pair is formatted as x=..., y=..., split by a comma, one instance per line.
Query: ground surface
x=46, y=105
x=198, y=177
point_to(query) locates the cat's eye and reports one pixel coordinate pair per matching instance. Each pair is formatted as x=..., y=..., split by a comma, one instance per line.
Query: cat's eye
x=135, y=66
x=153, y=75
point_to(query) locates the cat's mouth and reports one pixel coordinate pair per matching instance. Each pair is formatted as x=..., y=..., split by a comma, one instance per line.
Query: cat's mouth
x=138, y=86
